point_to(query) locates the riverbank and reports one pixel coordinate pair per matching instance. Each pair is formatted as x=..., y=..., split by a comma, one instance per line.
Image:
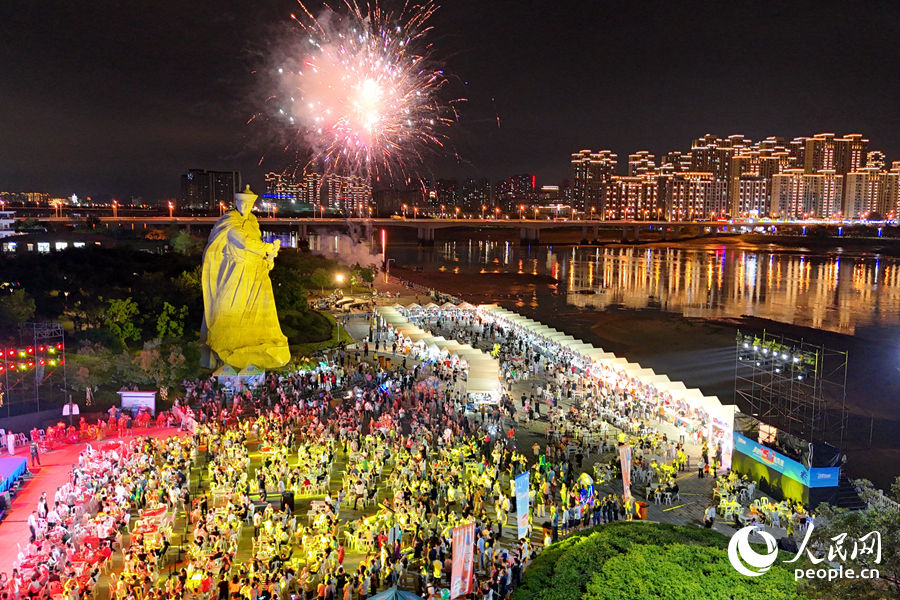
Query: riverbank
x=701, y=353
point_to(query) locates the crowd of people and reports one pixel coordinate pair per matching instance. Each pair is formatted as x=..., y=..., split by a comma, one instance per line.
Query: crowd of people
x=349, y=477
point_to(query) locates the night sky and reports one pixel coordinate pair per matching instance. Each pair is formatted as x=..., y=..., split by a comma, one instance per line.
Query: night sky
x=120, y=97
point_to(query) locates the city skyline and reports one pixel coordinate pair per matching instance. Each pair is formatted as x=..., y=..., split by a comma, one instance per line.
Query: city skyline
x=825, y=175
x=96, y=110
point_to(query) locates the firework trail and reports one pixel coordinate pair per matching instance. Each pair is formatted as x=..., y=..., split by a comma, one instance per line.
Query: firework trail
x=363, y=90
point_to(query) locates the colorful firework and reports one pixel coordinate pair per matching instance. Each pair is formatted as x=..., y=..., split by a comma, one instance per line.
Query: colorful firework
x=365, y=90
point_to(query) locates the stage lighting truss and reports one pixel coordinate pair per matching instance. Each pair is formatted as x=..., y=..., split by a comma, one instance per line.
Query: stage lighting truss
x=793, y=385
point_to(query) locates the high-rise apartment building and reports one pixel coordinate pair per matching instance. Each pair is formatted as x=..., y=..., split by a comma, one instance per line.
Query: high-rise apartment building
x=641, y=163
x=591, y=172
x=205, y=190
x=799, y=195
x=632, y=198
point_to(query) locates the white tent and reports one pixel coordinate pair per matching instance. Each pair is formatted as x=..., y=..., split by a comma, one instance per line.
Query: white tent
x=652, y=380
x=466, y=306
x=482, y=386
x=418, y=336
x=637, y=371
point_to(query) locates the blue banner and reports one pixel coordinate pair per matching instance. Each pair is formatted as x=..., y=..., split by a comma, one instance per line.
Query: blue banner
x=522, y=504
x=813, y=478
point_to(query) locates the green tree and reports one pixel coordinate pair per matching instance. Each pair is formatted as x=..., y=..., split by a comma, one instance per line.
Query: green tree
x=320, y=278
x=16, y=307
x=159, y=364
x=170, y=322
x=90, y=365
x=121, y=319
x=185, y=243
x=882, y=515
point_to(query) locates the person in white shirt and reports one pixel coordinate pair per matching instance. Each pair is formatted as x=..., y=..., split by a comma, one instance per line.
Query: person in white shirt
x=33, y=525
x=53, y=517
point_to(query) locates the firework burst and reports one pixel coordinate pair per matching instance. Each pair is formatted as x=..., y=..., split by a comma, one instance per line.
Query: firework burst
x=364, y=90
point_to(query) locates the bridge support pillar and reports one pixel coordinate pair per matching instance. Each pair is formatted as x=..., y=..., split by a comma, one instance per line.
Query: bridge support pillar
x=637, y=233
x=187, y=228
x=663, y=232
x=625, y=234
x=676, y=232
x=426, y=236
x=303, y=236
x=584, y=236
x=596, y=238
x=529, y=236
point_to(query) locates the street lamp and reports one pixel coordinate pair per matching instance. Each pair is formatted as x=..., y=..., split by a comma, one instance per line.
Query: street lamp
x=171, y=209
x=404, y=211
x=416, y=211
x=221, y=208
x=442, y=211
x=482, y=211
x=115, y=209
x=457, y=212
x=497, y=210
x=592, y=213
x=521, y=209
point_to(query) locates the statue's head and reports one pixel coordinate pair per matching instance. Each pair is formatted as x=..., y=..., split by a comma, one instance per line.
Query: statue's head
x=243, y=201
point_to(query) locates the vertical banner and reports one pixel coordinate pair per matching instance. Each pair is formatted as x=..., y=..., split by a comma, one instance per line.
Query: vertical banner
x=522, y=484
x=463, y=568
x=625, y=458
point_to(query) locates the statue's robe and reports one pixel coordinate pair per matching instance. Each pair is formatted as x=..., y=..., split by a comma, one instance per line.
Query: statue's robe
x=240, y=324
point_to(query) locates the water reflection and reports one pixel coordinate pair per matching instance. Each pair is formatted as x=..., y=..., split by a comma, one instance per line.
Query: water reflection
x=837, y=293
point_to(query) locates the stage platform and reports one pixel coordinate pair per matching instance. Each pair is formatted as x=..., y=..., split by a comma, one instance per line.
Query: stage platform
x=11, y=468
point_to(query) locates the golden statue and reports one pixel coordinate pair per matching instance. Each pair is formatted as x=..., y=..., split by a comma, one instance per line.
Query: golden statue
x=240, y=324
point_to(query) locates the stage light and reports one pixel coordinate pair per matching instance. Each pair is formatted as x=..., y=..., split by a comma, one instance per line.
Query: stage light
x=765, y=350
x=756, y=348
x=22, y=353
x=12, y=352
x=784, y=356
x=30, y=350
x=41, y=349
x=42, y=362
x=746, y=345
x=30, y=363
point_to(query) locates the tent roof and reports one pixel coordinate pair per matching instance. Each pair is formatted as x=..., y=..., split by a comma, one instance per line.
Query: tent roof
x=225, y=371
x=251, y=369
x=482, y=385
x=395, y=594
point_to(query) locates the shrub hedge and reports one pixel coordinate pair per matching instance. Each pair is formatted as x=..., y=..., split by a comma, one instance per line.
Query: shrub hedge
x=627, y=560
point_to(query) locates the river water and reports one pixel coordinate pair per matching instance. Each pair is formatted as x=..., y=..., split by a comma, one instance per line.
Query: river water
x=849, y=294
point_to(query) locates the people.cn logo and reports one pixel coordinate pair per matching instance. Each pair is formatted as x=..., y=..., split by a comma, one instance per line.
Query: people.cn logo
x=740, y=552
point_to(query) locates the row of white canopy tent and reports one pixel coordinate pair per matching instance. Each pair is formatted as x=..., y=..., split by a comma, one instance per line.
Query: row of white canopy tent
x=483, y=371
x=722, y=415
